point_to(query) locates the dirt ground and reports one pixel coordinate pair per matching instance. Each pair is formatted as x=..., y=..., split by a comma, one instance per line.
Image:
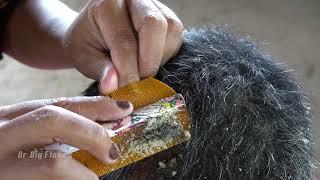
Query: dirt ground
x=291, y=29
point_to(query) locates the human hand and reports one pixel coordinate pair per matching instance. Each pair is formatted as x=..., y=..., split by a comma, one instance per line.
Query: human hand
x=121, y=41
x=36, y=124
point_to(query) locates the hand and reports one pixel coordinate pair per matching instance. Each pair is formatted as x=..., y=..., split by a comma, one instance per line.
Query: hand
x=36, y=124
x=121, y=41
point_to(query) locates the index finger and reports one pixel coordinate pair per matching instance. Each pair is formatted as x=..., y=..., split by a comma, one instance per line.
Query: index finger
x=96, y=108
x=115, y=26
x=52, y=124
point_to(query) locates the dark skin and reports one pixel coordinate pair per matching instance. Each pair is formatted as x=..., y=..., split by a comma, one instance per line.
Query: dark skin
x=114, y=41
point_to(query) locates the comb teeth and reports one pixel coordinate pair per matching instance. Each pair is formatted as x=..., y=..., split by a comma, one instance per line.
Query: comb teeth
x=145, y=132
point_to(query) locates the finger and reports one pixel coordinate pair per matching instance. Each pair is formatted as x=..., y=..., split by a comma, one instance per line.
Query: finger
x=52, y=124
x=174, y=32
x=63, y=168
x=102, y=69
x=115, y=26
x=86, y=47
x=97, y=108
x=109, y=80
x=97, y=65
x=68, y=168
x=151, y=26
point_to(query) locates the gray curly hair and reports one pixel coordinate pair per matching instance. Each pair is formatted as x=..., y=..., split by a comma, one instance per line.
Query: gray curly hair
x=250, y=118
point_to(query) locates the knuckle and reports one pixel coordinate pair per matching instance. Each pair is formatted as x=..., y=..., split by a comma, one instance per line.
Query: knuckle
x=49, y=115
x=106, y=100
x=155, y=21
x=99, y=136
x=125, y=40
x=174, y=26
x=102, y=103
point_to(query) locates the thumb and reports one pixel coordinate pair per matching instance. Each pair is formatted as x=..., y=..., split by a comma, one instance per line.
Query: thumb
x=96, y=65
x=109, y=80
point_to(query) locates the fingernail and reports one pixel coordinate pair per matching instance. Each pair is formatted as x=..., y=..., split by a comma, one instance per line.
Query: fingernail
x=109, y=80
x=123, y=104
x=114, y=152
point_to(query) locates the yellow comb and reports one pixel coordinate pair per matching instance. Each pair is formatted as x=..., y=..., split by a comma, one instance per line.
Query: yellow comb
x=141, y=94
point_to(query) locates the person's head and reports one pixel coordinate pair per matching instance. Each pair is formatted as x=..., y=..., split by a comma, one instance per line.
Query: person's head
x=249, y=117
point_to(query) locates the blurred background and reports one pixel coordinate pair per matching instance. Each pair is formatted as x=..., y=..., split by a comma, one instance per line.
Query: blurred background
x=290, y=29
